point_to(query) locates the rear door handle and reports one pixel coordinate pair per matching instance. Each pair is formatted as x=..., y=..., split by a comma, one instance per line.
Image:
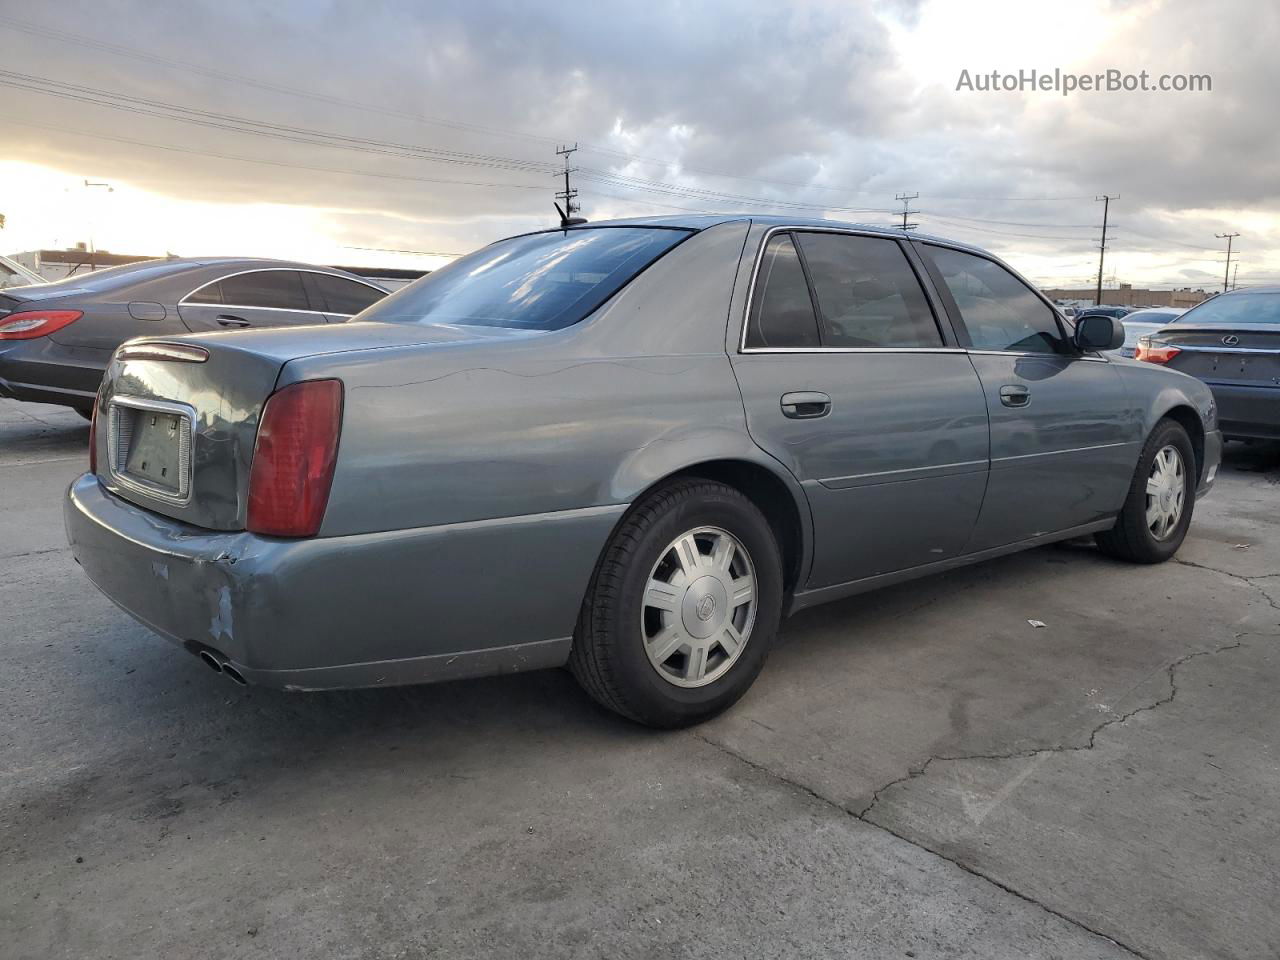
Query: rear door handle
x=1015, y=395
x=226, y=320
x=805, y=405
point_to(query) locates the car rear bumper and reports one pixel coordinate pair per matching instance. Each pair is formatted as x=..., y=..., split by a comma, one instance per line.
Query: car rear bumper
x=1212, y=461
x=414, y=606
x=41, y=371
x=1247, y=412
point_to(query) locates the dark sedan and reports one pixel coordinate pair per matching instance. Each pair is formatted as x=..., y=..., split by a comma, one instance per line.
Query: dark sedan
x=1232, y=343
x=56, y=339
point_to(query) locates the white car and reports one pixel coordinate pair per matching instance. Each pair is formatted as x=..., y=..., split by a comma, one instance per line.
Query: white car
x=14, y=274
x=1142, y=322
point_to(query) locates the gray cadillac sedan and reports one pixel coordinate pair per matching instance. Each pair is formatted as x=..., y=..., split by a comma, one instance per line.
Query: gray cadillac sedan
x=631, y=447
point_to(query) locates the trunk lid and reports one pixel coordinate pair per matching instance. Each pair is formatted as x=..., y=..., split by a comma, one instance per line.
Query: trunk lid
x=1243, y=353
x=178, y=416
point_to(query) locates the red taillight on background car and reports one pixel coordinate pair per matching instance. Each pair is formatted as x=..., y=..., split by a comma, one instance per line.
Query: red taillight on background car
x=1154, y=351
x=293, y=459
x=29, y=324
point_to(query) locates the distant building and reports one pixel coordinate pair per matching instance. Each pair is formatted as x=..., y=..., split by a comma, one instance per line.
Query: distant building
x=1127, y=295
x=57, y=264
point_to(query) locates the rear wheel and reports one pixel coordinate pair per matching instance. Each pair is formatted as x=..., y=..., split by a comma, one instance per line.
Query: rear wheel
x=1157, y=511
x=683, y=608
x=86, y=412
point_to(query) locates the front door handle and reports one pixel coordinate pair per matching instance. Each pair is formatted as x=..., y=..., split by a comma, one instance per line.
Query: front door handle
x=1015, y=395
x=226, y=320
x=805, y=405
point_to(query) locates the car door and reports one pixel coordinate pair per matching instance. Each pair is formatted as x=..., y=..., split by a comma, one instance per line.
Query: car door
x=341, y=298
x=852, y=380
x=268, y=297
x=1063, y=435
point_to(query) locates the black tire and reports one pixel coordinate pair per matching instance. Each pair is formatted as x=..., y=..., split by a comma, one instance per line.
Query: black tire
x=86, y=412
x=608, y=657
x=1131, y=539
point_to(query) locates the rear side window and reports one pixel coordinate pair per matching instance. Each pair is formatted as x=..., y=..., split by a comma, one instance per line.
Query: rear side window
x=345, y=296
x=781, y=309
x=544, y=281
x=868, y=295
x=999, y=311
x=270, y=289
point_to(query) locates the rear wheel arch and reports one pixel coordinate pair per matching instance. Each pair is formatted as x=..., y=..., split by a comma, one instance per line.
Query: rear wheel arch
x=782, y=503
x=1186, y=417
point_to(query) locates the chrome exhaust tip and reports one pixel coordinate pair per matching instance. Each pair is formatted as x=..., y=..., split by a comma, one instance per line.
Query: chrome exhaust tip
x=234, y=674
x=213, y=662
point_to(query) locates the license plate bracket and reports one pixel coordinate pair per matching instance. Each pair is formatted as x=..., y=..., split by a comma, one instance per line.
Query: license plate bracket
x=150, y=447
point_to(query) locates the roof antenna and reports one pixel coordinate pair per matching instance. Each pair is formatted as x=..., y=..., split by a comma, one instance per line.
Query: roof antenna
x=566, y=221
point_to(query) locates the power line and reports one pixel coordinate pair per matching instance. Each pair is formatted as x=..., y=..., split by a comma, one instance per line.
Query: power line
x=1226, y=276
x=906, y=199
x=569, y=194
x=1102, y=248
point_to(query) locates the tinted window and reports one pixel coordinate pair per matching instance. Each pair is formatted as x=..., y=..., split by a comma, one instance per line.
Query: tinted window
x=868, y=295
x=210, y=293
x=781, y=310
x=999, y=310
x=1235, y=308
x=345, y=296
x=544, y=281
x=277, y=289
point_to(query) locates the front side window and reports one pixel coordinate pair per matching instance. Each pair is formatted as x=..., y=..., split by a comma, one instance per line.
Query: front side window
x=270, y=289
x=544, y=281
x=781, y=309
x=345, y=296
x=999, y=311
x=867, y=293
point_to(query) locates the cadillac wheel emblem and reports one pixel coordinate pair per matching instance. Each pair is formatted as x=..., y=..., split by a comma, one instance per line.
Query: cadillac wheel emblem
x=1230, y=339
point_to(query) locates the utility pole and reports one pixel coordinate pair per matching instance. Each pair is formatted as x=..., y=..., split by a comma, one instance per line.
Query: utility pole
x=93, y=254
x=1235, y=273
x=1102, y=248
x=906, y=199
x=1227, y=275
x=568, y=195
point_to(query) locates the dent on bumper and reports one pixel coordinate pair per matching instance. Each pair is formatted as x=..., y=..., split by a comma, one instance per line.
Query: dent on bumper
x=384, y=608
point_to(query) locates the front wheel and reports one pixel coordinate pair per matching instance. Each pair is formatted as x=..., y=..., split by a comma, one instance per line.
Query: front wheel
x=1157, y=511
x=683, y=607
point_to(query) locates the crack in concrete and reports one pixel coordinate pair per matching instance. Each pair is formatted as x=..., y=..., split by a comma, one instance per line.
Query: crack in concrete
x=33, y=553
x=968, y=868
x=1170, y=670
x=863, y=815
x=1247, y=581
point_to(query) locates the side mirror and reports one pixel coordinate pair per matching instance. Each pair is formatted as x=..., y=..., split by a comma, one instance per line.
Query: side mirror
x=1097, y=332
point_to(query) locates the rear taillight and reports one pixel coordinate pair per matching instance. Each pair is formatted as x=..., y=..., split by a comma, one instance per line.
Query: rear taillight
x=293, y=459
x=29, y=324
x=1154, y=351
x=93, y=438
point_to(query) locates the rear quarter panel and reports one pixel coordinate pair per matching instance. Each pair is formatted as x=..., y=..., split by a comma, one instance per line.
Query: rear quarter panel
x=572, y=419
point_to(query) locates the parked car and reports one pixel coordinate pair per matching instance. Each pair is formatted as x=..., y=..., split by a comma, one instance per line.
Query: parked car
x=14, y=274
x=1232, y=343
x=1105, y=311
x=629, y=446
x=56, y=339
x=1142, y=322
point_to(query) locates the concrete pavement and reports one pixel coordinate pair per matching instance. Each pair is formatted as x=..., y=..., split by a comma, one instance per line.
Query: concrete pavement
x=917, y=773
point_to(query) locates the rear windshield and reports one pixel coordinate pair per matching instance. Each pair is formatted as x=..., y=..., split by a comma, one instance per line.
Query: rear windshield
x=1235, y=308
x=544, y=281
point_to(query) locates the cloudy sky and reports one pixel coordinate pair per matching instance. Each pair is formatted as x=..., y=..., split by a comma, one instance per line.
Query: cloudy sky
x=346, y=132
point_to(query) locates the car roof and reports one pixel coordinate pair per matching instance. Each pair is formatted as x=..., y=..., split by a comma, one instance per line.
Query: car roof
x=702, y=221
